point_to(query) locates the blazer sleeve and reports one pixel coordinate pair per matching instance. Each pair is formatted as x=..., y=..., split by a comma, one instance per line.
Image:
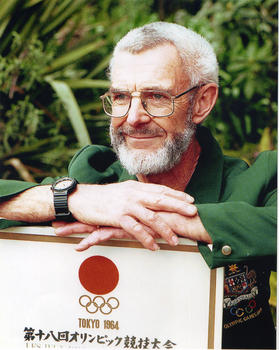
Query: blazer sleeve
x=246, y=221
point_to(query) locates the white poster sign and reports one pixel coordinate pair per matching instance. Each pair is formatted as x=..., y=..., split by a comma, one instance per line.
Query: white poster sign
x=116, y=295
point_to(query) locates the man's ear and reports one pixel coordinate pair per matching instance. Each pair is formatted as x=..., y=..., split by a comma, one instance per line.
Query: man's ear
x=204, y=102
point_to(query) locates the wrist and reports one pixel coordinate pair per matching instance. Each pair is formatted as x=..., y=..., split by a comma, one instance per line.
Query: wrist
x=82, y=203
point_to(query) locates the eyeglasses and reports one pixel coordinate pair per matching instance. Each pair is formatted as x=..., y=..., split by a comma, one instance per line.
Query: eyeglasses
x=156, y=103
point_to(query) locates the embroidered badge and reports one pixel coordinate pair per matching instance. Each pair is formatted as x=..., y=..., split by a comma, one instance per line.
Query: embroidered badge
x=240, y=295
x=239, y=285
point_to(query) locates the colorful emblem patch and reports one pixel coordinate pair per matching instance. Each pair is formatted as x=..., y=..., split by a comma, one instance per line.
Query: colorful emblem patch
x=237, y=283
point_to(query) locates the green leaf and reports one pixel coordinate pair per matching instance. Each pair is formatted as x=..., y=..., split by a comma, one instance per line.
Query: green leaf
x=47, y=12
x=67, y=97
x=32, y=3
x=100, y=67
x=248, y=124
x=7, y=7
x=73, y=56
x=237, y=124
x=250, y=88
x=3, y=25
x=94, y=106
x=87, y=83
x=225, y=76
x=70, y=8
x=265, y=142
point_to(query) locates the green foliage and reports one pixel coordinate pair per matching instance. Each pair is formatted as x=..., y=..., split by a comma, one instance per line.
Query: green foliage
x=39, y=60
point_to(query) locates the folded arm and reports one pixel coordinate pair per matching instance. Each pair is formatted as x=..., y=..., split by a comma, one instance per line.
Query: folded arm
x=130, y=206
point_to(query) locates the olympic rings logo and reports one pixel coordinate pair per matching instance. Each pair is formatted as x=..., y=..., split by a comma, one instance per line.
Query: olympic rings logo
x=251, y=306
x=239, y=312
x=98, y=303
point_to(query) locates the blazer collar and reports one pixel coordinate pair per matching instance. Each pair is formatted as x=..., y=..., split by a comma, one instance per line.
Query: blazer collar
x=206, y=182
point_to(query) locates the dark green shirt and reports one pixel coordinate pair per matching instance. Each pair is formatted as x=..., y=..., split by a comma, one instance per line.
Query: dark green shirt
x=237, y=206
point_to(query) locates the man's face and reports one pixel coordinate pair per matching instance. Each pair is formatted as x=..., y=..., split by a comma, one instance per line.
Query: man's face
x=146, y=144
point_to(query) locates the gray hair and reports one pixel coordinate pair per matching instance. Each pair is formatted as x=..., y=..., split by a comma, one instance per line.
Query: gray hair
x=196, y=53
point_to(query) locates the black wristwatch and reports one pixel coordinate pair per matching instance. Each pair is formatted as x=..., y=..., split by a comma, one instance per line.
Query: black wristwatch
x=61, y=188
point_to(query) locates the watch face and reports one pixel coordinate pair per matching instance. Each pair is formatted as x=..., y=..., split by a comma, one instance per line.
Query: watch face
x=63, y=184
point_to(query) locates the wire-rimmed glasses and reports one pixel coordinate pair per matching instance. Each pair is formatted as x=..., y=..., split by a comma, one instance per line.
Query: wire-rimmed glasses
x=156, y=103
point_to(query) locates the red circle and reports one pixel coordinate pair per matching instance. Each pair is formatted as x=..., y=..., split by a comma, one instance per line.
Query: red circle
x=98, y=275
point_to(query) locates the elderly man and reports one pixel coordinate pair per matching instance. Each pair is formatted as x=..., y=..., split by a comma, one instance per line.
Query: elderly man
x=164, y=83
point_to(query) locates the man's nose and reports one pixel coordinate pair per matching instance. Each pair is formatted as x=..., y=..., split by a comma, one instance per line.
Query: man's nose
x=137, y=114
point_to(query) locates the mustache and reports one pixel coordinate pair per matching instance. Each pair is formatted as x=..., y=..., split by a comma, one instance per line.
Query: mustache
x=129, y=130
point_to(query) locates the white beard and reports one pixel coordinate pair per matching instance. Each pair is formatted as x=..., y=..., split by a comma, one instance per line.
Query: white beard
x=149, y=163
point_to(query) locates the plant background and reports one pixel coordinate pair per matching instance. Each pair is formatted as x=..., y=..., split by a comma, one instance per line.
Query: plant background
x=53, y=56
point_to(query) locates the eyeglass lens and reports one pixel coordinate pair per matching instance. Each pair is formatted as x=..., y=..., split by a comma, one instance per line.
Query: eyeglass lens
x=156, y=103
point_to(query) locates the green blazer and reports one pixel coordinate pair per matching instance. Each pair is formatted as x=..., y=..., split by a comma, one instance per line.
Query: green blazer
x=237, y=205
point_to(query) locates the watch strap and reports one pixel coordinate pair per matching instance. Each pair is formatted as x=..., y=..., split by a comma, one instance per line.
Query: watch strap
x=62, y=211
x=60, y=199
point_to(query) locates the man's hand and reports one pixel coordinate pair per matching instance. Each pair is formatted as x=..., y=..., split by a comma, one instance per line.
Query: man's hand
x=131, y=206
x=188, y=227
x=96, y=234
